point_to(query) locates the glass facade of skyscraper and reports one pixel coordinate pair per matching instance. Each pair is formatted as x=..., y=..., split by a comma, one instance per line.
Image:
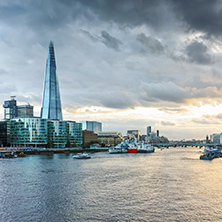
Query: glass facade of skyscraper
x=51, y=103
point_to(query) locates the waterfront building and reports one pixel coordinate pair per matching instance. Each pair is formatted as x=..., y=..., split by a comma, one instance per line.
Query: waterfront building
x=4, y=133
x=88, y=137
x=92, y=126
x=148, y=130
x=57, y=134
x=109, y=138
x=28, y=132
x=134, y=134
x=75, y=137
x=216, y=138
x=51, y=103
x=38, y=132
x=10, y=108
x=25, y=111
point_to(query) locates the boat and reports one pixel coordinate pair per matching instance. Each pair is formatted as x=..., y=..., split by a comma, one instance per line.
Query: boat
x=209, y=155
x=207, y=148
x=120, y=148
x=82, y=156
x=132, y=148
x=145, y=148
x=22, y=154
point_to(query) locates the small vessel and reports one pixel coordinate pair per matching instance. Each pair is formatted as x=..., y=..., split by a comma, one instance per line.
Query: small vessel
x=22, y=154
x=145, y=148
x=209, y=155
x=8, y=155
x=207, y=148
x=82, y=156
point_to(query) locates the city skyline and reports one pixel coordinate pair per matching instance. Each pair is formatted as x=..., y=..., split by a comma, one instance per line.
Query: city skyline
x=126, y=64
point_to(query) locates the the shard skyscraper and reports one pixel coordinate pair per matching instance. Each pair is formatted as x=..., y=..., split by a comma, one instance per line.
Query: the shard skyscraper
x=51, y=103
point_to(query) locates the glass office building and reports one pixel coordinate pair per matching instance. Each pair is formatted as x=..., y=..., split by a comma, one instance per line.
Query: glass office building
x=28, y=132
x=51, y=103
x=91, y=126
x=10, y=108
x=25, y=111
x=38, y=132
x=75, y=133
x=58, y=132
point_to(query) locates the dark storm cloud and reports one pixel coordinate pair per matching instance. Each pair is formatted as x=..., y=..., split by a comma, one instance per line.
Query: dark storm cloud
x=150, y=44
x=202, y=15
x=110, y=41
x=127, y=12
x=198, y=52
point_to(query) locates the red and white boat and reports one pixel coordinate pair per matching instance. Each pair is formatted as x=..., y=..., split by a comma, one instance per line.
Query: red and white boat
x=132, y=148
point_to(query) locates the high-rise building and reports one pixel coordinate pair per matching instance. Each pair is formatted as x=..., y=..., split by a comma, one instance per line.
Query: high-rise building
x=10, y=108
x=91, y=126
x=51, y=103
x=157, y=133
x=148, y=130
x=25, y=110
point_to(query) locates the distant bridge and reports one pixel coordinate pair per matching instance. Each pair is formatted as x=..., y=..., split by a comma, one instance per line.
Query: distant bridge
x=185, y=144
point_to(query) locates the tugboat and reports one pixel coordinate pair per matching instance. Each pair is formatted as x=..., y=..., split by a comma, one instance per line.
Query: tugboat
x=82, y=156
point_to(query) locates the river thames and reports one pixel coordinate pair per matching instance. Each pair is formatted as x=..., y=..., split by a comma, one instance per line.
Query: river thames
x=168, y=185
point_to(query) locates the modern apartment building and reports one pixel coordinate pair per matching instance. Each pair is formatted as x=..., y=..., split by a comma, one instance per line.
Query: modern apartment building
x=38, y=132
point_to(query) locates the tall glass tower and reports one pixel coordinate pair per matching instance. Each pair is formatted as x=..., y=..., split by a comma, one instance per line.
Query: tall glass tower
x=51, y=103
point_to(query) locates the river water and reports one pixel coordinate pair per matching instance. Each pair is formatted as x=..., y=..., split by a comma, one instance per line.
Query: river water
x=168, y=185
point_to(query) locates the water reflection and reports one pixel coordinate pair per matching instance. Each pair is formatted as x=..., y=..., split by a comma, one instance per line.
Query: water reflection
x=172, y=184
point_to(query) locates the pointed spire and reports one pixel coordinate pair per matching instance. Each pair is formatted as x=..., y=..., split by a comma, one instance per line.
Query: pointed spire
x=51, y=103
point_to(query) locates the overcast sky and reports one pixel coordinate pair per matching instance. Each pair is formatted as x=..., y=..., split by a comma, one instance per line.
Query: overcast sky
x=128, y=64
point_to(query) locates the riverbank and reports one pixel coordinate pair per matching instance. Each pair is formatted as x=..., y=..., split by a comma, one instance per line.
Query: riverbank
x=49, y=151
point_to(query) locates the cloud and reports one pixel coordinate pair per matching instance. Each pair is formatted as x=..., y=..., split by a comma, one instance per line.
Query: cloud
x=198, y=52
x=110, y=41
x=174, y=110
x=167, y=123
x=204, y=16
x=150, y=44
